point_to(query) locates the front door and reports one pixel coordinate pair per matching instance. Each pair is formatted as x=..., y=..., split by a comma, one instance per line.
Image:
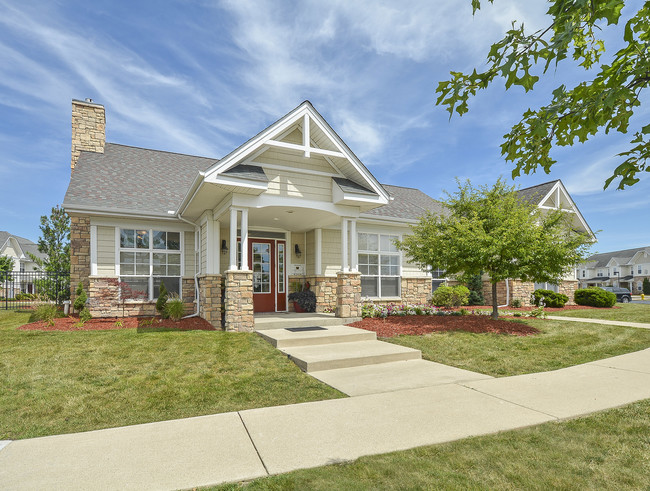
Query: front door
x=266, y=258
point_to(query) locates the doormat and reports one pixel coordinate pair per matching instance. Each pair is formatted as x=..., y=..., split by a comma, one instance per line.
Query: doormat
x=301, y=329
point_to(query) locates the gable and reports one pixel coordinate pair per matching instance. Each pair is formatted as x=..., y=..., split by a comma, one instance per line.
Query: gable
x=301, y=142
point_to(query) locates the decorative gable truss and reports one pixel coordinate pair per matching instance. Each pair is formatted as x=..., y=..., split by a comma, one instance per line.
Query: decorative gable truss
x=558, y=198
x=302, y=142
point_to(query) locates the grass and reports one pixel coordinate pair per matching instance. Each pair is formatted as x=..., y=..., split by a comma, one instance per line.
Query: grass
x=607, y=450
x=62, y=382
x=560, y=344
x=628, y=312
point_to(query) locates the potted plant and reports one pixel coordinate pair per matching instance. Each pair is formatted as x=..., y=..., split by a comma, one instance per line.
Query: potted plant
x=303, y=301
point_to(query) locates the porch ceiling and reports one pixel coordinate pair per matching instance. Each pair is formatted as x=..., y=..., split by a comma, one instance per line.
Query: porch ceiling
x=287, y=218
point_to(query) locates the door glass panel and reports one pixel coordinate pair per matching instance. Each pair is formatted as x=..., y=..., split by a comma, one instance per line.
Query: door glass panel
x=280, y=268
x=261, y=268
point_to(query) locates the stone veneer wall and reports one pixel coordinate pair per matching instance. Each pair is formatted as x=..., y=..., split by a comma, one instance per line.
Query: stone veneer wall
x=521, y=290
x=210, y=299
x=413, y=291
x=88, y=129
x=79, y=253
x=104, y=299
x=324, y=287
x=238, y=301
x=348, y=294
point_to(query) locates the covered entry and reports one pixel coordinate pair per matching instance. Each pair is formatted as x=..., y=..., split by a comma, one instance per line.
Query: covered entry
x=267, y=261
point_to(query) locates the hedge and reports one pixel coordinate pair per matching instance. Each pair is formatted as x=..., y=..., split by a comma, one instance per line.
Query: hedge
x=595, y=297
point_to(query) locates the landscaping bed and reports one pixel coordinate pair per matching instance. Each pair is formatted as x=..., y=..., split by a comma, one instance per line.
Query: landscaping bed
x=71, y=323
x=425, y=324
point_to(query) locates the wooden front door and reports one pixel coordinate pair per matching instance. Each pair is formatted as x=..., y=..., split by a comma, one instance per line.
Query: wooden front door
x=267, y=260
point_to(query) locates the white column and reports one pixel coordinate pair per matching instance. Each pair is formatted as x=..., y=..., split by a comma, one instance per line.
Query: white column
x=210, y=246
x=244, y=239
x=318, y=238
x=233, y=239
x=93, y=250
x=354, y=246
x=216, y=235
x=344, y=245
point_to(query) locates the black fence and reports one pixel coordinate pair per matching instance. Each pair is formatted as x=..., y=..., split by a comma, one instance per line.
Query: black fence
x=20, y=290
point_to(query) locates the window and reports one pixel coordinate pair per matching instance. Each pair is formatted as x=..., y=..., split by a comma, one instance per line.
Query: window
x=638, y=270
x=22, y=267
x=547, y=286
x=379, y=264
x=639, y=285
x=584, y=273
x=281, y=268
x=149, y=258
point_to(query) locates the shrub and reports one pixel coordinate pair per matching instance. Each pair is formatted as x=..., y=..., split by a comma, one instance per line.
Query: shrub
x=46, y=312
x=81, y=298
x=84, y=315
x=550, y=298
x=175, y=308
x=515, y=303
x=595, y=297
x=161, y=303
x=306, y=300
x=646, y=286
x=450, y=296
x=475, y=285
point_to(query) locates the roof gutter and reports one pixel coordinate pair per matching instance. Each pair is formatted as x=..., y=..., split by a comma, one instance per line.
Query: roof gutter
x=194, y=188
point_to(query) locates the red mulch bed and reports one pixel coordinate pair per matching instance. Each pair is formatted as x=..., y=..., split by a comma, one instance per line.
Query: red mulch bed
x=110, y=323
x=425, y=324
x=528, y=309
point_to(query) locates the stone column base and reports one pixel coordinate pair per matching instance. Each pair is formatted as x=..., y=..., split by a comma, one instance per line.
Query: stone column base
x=210, y=299
x=238, y=301
x=348, y=294
x=324, y=287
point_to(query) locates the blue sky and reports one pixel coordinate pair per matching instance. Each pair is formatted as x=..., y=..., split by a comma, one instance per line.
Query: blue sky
x=201, y=77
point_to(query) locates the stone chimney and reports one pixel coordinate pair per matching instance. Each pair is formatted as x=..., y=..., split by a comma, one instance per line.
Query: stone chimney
x=88, y=128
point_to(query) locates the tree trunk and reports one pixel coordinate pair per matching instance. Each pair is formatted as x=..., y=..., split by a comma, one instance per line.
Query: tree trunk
x=495, y=302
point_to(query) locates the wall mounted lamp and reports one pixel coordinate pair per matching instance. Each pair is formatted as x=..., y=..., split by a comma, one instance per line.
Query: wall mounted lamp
x=224, y=247
x=297, y=251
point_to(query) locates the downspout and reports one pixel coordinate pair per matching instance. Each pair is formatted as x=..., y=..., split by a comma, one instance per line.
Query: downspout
x=196, y=275
x=507, y=295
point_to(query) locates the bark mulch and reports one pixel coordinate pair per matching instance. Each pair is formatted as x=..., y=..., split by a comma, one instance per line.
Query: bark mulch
x=425, y=324
x=71, y=323
x=546, y=309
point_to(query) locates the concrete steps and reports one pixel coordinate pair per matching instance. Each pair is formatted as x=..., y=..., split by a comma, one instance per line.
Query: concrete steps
x=284, y=338
x=334, y=347
x=264, y=322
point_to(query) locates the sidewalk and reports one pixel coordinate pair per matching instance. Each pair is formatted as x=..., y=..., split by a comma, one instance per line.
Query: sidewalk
x=248, y=444
x=641, y=325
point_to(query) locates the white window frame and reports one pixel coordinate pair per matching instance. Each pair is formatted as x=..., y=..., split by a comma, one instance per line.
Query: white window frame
x=379, y=254
x=150, y=250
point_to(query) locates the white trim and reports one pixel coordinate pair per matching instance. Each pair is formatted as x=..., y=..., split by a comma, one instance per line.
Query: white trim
x=130, y=223
x=244, y=239
x=344, y=246
x=264, y=200
x=216, y=231
x=306, y=140
x=118, y=212
x=197, y=183
x=209, y=259
x=233, y=240
x=93, y=250
x=305, y=149
x=354, y=247
x=318, y=240
x=296, y=170
x=239, y=182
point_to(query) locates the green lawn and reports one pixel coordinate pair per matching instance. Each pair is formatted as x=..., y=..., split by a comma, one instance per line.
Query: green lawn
x=607, y=450
x=62, y=382
x=560, y=344
x=628, y=312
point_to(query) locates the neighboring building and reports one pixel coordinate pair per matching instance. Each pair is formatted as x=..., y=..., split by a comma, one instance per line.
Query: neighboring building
x=627, y=269
x=18, y=248
x=292, y=204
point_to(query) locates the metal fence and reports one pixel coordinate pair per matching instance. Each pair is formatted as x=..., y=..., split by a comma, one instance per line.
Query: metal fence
x=20, y=290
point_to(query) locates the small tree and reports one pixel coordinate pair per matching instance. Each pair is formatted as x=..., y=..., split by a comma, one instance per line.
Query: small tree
x=646, y=286
x=161, y=303
x=6, y=266
x=80, y=298
x=475, y=285
x=490, y=229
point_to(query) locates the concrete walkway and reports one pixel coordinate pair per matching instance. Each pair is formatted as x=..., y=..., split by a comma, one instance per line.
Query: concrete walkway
x=641, y=325
x=248, y=444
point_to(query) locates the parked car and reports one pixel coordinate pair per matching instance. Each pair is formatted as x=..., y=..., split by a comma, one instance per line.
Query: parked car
x=622, y=294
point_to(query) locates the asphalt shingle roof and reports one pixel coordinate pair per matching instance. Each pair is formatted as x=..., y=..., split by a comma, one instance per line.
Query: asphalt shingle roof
x=352, y=187
x=534, y=194
x=407, y=203
x=623, y=256
x=132, y=178
x=25, y=244
x=245, y=171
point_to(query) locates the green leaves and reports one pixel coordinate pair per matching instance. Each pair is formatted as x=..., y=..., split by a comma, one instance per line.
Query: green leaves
x=605, y=103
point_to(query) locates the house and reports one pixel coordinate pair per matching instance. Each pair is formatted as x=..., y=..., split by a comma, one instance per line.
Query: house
x=232, y=236
x=627, y=269
x=19, y=249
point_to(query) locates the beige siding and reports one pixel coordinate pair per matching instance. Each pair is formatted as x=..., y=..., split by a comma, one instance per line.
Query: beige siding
x=298, y=238
x=9, y=251
x=291, y=158
x=224, y=258
x=105, y=251
x=331, y=248
x=294, y=137
x=295, y=185
x=204, y=248
x=310, y=253
x=189, y=254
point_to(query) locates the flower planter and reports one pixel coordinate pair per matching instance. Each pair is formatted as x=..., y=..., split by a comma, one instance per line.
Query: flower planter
x=298, y=308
